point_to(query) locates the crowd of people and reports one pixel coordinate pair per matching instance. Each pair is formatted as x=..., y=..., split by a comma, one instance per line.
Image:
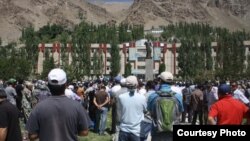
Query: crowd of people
x=59, y=110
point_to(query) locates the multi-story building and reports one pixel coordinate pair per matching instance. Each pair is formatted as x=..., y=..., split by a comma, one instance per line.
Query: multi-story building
x=131, y=52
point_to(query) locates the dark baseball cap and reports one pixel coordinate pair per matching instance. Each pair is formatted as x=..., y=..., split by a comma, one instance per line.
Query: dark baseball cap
x=224, y=89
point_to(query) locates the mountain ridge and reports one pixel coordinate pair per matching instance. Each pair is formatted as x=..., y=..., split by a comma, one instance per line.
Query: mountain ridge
x=16, y=14
x=217, y=13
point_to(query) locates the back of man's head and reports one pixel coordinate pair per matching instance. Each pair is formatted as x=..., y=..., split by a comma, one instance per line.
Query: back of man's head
x=166, y=77
x=131, y=81
x=224, y=89
x=11, y=81
x=123, y=82
x=118, y=79
x=57, y=81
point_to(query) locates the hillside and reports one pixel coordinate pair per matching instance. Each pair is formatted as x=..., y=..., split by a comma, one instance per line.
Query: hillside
x=16, y=14
x=232, y=14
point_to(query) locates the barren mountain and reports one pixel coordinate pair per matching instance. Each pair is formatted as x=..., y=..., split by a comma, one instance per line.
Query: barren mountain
x=232, y=14
x=16, y=14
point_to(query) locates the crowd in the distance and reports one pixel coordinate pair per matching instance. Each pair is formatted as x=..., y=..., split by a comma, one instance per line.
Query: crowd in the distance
x=59, y=110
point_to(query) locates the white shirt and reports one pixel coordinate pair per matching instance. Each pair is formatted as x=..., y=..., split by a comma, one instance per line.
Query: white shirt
x=238, y=94
x=70, y=94
x=115, y=89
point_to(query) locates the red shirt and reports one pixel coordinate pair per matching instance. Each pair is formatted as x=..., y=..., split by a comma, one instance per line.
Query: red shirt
x=228, y=111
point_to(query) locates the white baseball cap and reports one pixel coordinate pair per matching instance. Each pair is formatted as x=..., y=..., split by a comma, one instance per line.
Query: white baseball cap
x=57, y=77
x=166, y=76
x=71, y=87
x=132, y=80
x=123, y=81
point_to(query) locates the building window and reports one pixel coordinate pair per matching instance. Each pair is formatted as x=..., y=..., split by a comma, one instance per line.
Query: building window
x=108, y=50
x=108, y=59
x=92, y=50
x=141, y=67
x=162, y=50
x=141, y=59
x=107, y=67
x=141, y=50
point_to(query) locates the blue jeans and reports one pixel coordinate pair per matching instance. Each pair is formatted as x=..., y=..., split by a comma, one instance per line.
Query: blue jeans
x=124, y=136
x=103, y=119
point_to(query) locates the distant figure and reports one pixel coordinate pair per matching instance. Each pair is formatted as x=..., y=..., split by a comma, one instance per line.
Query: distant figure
x=148, y=48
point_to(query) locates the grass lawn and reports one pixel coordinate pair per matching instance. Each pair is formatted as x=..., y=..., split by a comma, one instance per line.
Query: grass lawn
x=95, y=137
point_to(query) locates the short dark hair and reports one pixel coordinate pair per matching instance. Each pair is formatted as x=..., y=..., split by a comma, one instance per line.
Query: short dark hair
x=57, y=89
x=150, y=85
x=3, y=93
x=170, y=82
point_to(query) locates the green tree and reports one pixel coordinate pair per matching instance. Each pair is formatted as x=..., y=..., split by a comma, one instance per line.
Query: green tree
x=162, y=68
x=115, y=59
x=150, y=37
x=97, y=65
x=81, y=51
x=48, y=64
x=13, y=64
x=31, y=42
x=128, y=70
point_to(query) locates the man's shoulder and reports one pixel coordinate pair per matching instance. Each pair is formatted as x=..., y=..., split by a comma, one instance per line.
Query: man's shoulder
x=9, y=88
x=237, y=91
x=101, y=93
x=6, y=104
x=51, y=101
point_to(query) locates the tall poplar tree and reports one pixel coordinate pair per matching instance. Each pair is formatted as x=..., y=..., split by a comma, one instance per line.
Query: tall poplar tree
x=115, y=58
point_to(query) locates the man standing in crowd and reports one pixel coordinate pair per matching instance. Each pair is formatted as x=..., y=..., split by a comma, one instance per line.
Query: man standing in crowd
x=11, y=92
x=197, y=104
x=101, y=101
x=57, y=118
x=118, y=113
x=19, y=89
x=227, y=110
x=132, y=106
x=166, y=80
x=186, y=93
x=114, y=89
x=239, y=95
x=9, y=122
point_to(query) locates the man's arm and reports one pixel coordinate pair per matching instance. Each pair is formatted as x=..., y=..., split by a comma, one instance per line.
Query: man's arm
x=83, y=123
x=106, y=101
x=213, y=113
x=211, y=121
x=3, y=134
x=94, y=101
x=3, y=124
x=33, y=137
x=32, y=126
x=83, y=133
